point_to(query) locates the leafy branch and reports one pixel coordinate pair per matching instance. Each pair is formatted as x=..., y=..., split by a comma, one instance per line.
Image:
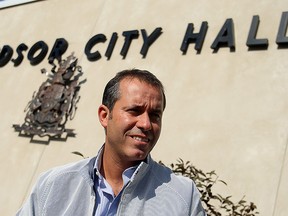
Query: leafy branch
x=214, y=204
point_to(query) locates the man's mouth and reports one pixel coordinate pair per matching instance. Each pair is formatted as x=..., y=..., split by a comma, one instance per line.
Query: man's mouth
x=141, y=139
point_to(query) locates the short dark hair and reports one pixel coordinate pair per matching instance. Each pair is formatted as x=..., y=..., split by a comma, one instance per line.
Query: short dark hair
x=112, y=94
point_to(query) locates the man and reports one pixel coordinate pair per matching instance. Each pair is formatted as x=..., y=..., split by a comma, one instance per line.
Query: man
x=122, y=179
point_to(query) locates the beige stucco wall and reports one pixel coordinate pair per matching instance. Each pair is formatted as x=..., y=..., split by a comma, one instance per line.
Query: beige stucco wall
x=226, y=111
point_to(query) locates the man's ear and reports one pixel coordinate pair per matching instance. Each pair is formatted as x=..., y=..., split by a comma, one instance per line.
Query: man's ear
x=103, y=115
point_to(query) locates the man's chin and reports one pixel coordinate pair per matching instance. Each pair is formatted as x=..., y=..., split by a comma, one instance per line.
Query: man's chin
x=140, y=155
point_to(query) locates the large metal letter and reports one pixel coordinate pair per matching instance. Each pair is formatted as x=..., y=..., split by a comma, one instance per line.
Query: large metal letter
x=22, y=47
x=43, y=47
x=225, y=37
x=5, y=55
x=148, y=41
x=197, y=38
x=111, y=45
x=252, y=41
x=129, y=36
x=91, y=43
x=59, y=48
x=282, y=39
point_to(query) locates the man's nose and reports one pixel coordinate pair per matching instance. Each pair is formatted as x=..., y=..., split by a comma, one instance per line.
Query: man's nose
x=144, y=122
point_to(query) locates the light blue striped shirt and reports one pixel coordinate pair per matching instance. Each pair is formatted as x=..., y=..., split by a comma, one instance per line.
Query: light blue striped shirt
x=106, y=202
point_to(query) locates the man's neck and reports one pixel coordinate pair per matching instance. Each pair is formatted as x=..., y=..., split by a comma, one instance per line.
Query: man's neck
x=112, y=169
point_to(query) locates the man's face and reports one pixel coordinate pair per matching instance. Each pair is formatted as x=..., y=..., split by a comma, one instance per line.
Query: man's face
x=134, y=125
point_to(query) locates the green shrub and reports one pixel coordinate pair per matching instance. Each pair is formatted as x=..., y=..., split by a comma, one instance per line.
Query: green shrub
x=214, y=204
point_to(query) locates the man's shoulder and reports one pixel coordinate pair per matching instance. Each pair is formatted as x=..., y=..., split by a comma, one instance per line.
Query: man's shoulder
x=53, y=189
x=166, y=174
x=80, y=169
x=164, y=184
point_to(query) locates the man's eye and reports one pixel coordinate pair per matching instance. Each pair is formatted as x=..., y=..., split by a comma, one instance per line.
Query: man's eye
x=133, y=111
x=155, y=116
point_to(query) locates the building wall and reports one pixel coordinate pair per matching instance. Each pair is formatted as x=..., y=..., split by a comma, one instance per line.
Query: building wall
x=226, y=110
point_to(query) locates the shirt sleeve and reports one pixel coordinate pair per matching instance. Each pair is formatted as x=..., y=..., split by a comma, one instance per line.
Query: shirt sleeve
x=31, y=205
x=196, y=206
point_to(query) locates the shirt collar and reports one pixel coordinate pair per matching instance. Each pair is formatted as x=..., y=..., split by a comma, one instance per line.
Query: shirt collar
x=128, y=173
